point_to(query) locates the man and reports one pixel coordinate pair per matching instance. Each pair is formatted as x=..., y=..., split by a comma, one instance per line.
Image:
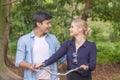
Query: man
x=37, y=46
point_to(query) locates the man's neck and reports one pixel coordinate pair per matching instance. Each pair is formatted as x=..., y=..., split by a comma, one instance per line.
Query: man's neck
x=38, y=33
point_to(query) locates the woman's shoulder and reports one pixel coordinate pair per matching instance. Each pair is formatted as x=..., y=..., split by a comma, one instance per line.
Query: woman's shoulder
x=90, y=42
x=68, y=42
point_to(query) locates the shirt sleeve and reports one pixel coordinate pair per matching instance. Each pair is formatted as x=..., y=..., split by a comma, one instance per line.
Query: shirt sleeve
x=58, y=54
x=62, y=59
x=92, y=57
x=20, y=52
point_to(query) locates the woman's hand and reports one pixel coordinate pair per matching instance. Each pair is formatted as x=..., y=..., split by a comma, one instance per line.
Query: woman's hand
x=84, y=67
x=37, y=65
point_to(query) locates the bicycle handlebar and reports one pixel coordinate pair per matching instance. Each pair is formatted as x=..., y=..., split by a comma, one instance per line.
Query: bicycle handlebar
x=59, y=74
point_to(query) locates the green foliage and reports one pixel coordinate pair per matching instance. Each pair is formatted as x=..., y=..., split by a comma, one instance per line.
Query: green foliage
x=115, y=35
x=100, y=31
x=108, y=53
x=12, y=48
x=107, y=10
x=22, y=12
x=63, y=11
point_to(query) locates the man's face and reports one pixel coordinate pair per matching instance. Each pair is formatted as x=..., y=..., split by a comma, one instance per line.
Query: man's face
x=45, y=26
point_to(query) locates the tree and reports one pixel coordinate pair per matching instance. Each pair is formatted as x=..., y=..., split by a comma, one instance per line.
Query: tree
x=64, y=11
x=5, y=73
x=107, y=10
x=87, y=7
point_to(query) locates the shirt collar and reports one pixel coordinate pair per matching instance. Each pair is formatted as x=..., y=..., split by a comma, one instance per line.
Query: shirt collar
x=32, y=35
x=85, y=43
x=72, y=42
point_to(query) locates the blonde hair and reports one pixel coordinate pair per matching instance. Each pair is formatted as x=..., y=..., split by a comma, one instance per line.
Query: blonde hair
x=81, y=23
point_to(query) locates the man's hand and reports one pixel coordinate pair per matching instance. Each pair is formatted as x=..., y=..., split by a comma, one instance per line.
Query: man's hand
x=32, y=68
x=26, y=65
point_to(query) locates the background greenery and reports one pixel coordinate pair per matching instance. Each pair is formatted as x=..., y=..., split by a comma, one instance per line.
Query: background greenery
x=104, y=21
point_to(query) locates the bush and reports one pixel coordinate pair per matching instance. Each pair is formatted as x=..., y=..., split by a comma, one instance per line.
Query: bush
x=12, y=48
x=108, y=53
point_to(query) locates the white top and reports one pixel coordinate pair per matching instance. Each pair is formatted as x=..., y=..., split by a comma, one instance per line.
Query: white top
x=40, y=54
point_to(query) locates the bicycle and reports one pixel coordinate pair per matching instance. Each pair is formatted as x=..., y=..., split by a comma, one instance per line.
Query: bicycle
x=58, y=74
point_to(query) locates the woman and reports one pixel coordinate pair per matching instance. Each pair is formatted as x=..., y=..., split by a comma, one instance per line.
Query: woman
x=80, y=52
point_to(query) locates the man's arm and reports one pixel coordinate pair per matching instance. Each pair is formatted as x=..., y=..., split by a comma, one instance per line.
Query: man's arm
x=20, y=56
x=26, y=65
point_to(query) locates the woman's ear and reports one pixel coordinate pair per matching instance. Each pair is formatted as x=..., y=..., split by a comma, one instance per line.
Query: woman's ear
x=80, y=29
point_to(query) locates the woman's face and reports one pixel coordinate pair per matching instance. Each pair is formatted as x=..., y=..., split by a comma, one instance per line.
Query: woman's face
x=74, y=30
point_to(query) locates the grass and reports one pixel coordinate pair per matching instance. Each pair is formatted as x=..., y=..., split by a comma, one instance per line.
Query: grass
x=116, y=76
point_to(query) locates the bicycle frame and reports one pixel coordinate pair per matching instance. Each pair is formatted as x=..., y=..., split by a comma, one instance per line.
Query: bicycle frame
x=59, y=74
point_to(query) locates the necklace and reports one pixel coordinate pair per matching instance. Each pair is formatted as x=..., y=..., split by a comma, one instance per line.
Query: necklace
x=79, y=44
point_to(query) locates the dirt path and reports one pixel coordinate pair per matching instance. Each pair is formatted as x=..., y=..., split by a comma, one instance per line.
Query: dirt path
x=107, y=72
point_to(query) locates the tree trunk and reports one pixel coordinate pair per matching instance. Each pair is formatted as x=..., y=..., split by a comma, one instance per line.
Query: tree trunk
x=5, y=73
x=85, y=14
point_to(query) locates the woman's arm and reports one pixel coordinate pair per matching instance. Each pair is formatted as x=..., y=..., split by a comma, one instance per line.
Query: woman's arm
x=58, y=54
x=92, y=57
